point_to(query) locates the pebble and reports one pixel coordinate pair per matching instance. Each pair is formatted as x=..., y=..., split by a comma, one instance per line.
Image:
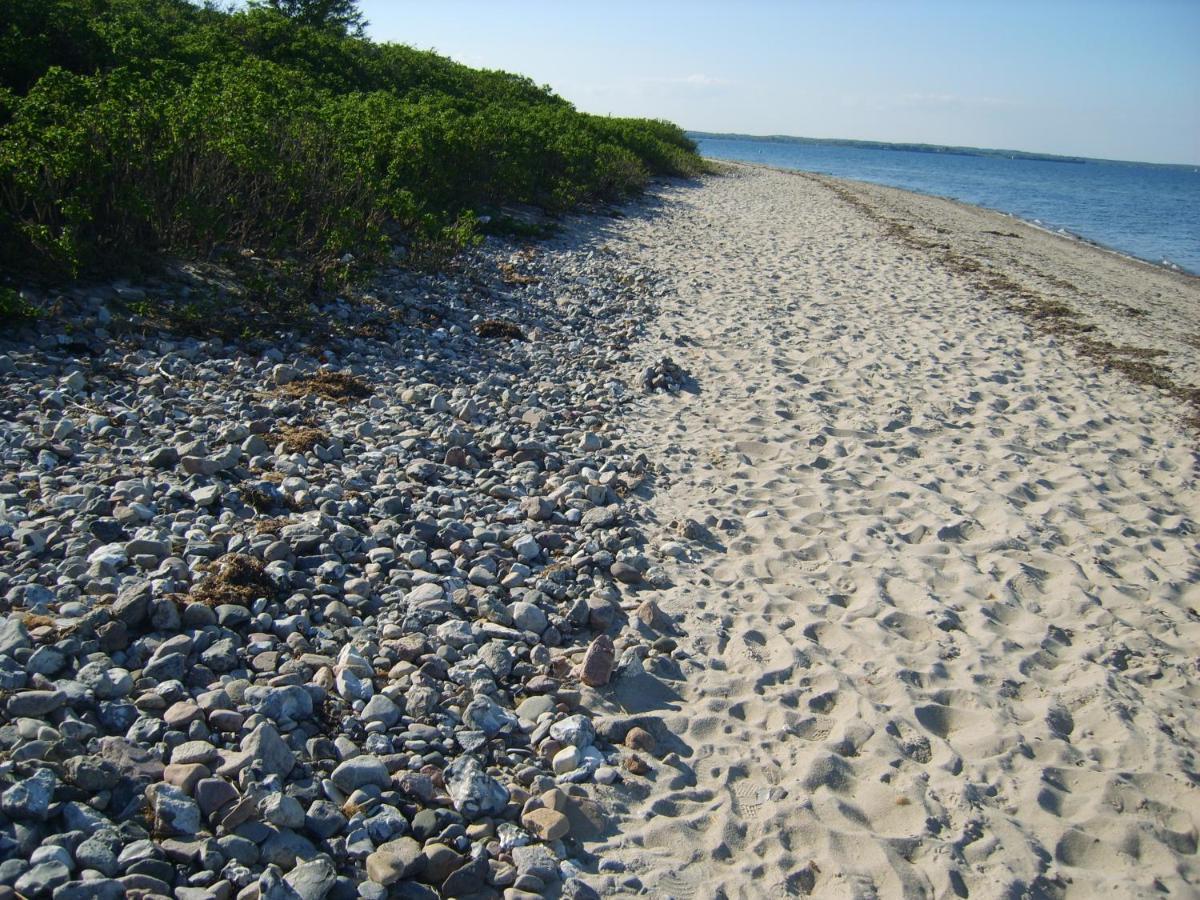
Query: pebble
x=598, y=662
x=274, y=642
x=546, y=824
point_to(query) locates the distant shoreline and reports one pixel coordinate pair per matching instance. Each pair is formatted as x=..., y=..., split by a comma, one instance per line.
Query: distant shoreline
x=942, y=149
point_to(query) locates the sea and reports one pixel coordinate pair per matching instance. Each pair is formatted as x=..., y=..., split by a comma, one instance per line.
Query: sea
x=1144, y=210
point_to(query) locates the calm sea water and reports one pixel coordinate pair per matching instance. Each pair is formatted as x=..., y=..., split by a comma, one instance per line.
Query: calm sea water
x=1151, y=212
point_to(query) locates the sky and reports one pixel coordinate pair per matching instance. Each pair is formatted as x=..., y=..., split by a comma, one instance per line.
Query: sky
x=1116, y=80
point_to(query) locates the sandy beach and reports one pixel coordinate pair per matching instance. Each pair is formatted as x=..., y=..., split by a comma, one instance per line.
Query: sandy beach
x=938, y=636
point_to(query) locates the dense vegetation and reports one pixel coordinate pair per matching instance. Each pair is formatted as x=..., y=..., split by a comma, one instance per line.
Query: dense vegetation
x=130, y=128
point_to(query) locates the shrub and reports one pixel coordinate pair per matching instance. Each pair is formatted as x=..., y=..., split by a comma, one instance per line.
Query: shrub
x=133, y=127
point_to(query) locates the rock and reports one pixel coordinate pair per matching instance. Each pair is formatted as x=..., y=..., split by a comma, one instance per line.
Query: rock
x=651, y=616
x=546, y=824
x=13, y=635
x=207, y=495
x=394, y=861
x=99, y=852
x=282, y=811
x=186, y=776
x=598, y=662
x=268, y=751
x=371, y=619
x=575, y=730
x=474, y=792
x=361, y=771
x=539, y=509
x=31, y=797
x=162, y=458
x=284, y=848
x=380, y=709
x=625, y=573
x=109, y=556
x=528, y=617
x=483, y=714
x=324, y=819
x=600, y=517
x=565, y=760
x=43, y=878
x=532, y=708
x=174, y=811
x=467, y=880
x=132, y=605
x=636, y=764
x=606, y=775
x=283, y=374
x=312, y=880
x=193, y=752
x=289, y=704
x=34, y=704
x=640, y=739
x=536, y=860
x=92, y=889
x=422, y=470
x=527, y=548
x=212, y=794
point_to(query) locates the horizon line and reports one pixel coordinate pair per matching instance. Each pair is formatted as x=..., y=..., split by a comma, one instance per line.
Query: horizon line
x=781, y=138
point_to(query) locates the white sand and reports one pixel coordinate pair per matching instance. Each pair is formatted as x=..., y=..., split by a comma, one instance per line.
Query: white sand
x=951, y=648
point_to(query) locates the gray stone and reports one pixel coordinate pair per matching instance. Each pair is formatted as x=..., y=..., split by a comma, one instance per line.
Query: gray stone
x=312, y=880
x=282, y=704
x=40, y=880
x=474, y=792
x=13, y=635
x=625, y=573
x=380, y=709
x=324, y=819
x=536, y=860
x=360, y=771
x=268, y=751
x=99, y=852
x=284, y=848
x=487, y=716
x=576, y=730
x=532, y=707
x=528, y=617
x=527, y=548
x=94, y=889
x=174, y=811
x=207, y=495
x=31, y=797
x=282, y=810
x=133, y=604
x=162, y=458
x=34, y=704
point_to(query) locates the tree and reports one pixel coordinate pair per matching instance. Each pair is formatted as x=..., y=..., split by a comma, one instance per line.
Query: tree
x=342, y=15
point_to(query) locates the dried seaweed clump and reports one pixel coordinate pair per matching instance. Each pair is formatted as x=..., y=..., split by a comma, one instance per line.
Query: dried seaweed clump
x=299, y=438
x=510, y=275
x=336, y=386
x=498, y=328
x=236, y=579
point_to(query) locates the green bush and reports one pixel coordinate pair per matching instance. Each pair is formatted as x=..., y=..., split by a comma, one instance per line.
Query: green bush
x=129, y=128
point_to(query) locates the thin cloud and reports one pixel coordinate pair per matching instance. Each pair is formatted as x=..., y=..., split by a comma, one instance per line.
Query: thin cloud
x=956, y=100
x=697, y=79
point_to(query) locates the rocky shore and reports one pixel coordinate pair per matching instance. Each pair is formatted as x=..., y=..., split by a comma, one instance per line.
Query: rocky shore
x=320, y=617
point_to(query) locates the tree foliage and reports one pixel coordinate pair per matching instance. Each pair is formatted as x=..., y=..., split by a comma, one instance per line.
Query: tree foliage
x=133, y=127
x=341, y=15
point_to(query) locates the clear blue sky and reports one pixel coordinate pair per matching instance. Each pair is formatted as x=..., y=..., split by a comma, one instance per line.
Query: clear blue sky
x=1100, y=78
